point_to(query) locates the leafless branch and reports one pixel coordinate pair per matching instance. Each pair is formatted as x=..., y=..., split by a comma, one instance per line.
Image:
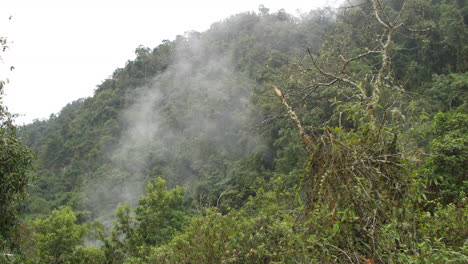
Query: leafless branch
x=268, y=120
x=377, y=10
x=334, y=77
x=342, y=251
x=315, y=86
x=350, y=5
x=347, y=61
x=307, y=139
x=416, y=30
x=399, y=15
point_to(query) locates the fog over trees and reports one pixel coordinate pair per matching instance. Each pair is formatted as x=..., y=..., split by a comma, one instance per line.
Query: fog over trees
x=339, y=136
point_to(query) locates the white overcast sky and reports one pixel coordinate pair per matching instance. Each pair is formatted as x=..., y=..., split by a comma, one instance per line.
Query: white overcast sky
x=62, y=49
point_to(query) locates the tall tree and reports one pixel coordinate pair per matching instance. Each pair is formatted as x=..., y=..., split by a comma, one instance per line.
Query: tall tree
x=15, y=162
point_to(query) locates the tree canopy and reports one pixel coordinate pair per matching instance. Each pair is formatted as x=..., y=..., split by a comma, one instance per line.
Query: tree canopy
x=334, y=137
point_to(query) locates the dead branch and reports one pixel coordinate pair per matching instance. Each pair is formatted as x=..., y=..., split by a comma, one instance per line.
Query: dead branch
x=315, y=86
x=351, y=6
x=378, y=11
x=335, y=77
x=347, y=61
x=386, y=41
x=292, y=115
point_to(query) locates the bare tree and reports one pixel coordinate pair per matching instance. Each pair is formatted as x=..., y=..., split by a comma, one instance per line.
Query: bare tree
x=361, y=168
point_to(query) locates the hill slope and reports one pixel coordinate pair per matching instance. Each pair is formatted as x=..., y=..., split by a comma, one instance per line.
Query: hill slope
x=185, y=111
x=334, y=167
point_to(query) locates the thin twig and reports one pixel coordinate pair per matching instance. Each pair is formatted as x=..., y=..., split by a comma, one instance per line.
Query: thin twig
x=321, y=71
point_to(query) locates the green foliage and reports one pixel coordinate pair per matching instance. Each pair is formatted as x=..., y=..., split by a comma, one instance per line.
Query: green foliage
x=15, y=164
x=454, y=33
x=59, y=236
x=233, y=238
x=124, y=240
x=447, y=235
x=85, y=255
x=436, y=237
x=199, y=112
x=445, y=170
x=450, y=91
x=184, y=111
x=160, y=213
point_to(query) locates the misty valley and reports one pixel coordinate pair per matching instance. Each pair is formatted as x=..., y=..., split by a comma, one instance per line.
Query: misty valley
x=336, y=136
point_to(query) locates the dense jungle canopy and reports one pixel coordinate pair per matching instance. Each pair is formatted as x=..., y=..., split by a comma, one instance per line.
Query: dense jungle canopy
x=340, y=136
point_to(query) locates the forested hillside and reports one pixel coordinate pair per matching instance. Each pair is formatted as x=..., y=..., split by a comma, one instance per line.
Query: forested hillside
x=336, y=137
x=188, y=111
